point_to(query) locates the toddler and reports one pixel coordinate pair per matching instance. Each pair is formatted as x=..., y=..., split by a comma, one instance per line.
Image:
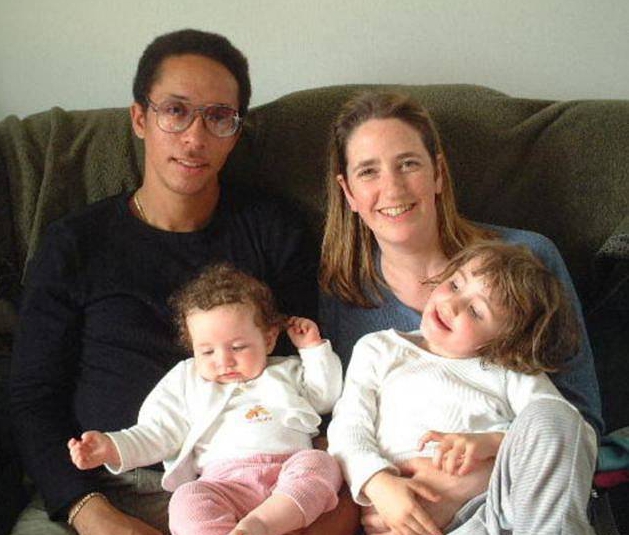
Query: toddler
x=232, y=425
x=443, y=399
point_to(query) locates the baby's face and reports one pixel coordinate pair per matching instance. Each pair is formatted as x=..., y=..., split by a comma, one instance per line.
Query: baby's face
x=228, y=345
x=461, y=316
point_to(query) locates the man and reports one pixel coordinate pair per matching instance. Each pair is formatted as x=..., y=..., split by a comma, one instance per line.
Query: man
x=95, y=328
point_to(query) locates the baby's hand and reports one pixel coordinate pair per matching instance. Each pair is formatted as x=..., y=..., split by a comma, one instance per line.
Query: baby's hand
x=93, y=449
x=303, y=332
x=460, y=453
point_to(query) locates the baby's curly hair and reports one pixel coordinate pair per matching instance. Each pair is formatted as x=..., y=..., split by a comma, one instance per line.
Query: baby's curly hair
x=223, y=284
x=541, y=328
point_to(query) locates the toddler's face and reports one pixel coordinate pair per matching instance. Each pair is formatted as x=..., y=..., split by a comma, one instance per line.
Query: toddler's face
x=461, y=315
x=228, y=345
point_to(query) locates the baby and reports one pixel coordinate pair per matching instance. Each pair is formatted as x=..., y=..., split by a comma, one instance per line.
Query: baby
x=232, y=425
x=448, y=393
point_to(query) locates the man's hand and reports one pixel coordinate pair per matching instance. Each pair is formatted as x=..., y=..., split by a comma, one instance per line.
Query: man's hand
x=303, y=332
x=460, y=453
x=396, y=500
x=93, y=449
x=99, y=517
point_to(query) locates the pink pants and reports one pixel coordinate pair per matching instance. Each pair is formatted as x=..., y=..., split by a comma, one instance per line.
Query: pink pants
x=227, y=490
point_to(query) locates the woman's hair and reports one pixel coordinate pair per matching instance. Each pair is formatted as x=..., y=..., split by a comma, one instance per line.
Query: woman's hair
x=348, y=267
x=540, y=325
x=220, y=285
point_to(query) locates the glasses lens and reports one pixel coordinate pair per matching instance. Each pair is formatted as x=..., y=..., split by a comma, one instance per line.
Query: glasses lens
x=174, y=116
x=223, y=121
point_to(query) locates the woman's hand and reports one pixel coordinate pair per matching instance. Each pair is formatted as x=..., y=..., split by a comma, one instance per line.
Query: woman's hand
x=92, y=450
x=396, y=499
x=99, y=517
x=460, y=453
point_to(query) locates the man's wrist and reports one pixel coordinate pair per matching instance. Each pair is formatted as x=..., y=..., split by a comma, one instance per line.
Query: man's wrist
x=76, y=508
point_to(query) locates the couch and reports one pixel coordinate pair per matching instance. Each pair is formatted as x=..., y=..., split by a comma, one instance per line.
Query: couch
x=560, y=168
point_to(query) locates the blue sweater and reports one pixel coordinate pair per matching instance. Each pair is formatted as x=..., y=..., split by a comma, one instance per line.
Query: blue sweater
x=344, y=324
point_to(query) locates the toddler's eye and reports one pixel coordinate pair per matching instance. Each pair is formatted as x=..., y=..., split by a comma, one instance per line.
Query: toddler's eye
x=238, y=348
x=475, y=313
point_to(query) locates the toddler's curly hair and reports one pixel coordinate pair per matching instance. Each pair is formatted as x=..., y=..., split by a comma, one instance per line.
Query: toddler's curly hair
x=219, y=285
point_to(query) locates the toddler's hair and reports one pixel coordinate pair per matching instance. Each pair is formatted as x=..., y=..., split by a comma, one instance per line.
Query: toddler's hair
x=223, y=284
x=541, y=328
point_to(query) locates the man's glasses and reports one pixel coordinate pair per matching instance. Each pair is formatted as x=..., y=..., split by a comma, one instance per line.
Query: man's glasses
x=176, y=116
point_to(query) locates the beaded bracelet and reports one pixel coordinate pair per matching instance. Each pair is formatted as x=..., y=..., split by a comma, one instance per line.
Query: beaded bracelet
x=74, y=510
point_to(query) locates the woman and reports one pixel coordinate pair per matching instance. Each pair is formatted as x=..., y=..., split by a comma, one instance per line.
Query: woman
x=391, y=226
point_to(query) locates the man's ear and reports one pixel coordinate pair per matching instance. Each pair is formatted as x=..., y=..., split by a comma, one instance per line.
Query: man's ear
x=347, y=192
x=138, y=119
x=271, y=339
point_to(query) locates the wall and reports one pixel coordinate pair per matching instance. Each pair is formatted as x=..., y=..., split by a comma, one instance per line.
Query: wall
x=82, y=53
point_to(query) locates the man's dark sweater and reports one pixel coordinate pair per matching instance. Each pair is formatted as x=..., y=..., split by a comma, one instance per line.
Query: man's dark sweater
x=95, y=330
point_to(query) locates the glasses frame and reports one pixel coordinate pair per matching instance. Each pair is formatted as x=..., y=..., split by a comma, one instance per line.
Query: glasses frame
x=198, y=110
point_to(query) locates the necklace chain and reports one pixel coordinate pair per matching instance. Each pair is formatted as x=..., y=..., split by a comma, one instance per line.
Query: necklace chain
x=138, y=205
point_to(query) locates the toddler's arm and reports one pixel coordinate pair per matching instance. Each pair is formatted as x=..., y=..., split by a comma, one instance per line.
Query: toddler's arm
x=92, y=450
x=303, y=332
x=460, y=453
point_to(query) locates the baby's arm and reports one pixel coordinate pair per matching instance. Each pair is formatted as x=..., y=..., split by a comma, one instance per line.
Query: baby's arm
x=460, y=453
x=303, y=332
x=92, y=450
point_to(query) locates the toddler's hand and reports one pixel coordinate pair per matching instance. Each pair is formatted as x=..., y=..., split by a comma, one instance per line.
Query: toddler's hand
x=93, y=449
x=303, y=332
x=460, y=453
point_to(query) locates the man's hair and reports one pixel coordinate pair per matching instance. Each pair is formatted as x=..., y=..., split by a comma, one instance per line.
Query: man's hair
x=219, y=285
x=541, y=328
x=211, y=45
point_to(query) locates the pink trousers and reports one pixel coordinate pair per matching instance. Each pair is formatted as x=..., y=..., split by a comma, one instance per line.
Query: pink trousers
x=227, y=490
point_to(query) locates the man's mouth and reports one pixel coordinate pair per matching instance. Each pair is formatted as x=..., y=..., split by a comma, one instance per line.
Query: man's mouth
x=394, y=211
x=192, y=164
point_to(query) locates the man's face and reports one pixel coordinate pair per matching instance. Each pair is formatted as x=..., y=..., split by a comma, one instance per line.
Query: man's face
x=186, y=163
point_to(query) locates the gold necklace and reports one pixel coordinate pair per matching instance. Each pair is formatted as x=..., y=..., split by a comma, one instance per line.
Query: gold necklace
x=136, y=201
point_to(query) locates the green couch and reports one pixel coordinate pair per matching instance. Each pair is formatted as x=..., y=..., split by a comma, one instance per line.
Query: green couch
x=560, y=168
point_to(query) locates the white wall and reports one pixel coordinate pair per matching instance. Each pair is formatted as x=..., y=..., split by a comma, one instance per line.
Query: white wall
x=82, y=53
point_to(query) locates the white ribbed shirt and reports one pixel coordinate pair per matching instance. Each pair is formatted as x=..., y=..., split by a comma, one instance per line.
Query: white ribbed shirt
x=395, y=391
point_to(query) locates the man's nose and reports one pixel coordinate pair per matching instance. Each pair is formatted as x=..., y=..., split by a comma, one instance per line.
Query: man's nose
x=197, y=132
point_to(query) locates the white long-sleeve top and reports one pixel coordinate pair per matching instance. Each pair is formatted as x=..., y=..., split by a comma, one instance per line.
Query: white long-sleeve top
x=396, y=391
x=185, y=409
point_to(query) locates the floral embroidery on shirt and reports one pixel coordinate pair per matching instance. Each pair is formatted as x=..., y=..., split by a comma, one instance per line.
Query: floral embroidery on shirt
x=258, y=414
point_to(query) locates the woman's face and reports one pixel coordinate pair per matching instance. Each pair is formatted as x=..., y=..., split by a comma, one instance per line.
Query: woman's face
x=391, y=182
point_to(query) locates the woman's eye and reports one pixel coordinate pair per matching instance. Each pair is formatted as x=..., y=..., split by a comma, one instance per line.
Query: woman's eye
x=409, y=165
x=454, y=286
x=475, y=313
x=367, y=173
